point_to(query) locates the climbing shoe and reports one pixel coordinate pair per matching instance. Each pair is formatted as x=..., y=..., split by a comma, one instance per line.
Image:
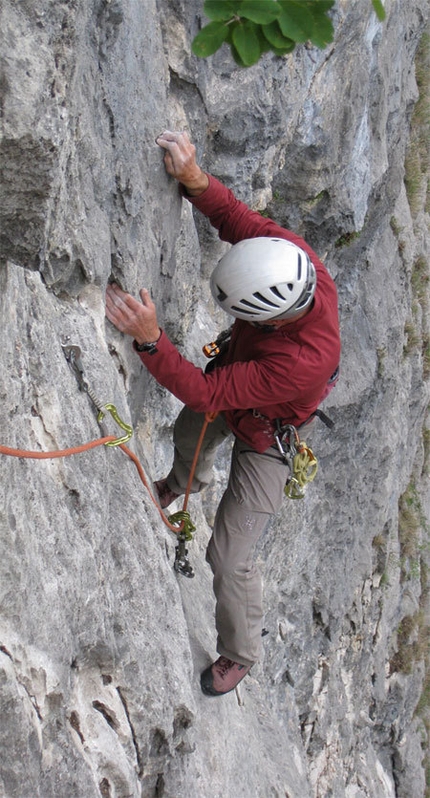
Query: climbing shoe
x=165, y=495
x=222, y=676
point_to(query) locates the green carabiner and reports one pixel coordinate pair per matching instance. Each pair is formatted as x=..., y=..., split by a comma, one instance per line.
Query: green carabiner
x=183, y=517
x=293, y=489
x=126, y=427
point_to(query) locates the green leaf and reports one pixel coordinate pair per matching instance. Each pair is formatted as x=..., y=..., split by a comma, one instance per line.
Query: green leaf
x=296, y=21
x=275, y=36
x=284, y=50
x=323, y=32
x=210, y=39
x=246, y=42
x=219, y=10
x=264, y=43
x=237, y=57
x=260, y=11
x=318, y=7
x=379, y=9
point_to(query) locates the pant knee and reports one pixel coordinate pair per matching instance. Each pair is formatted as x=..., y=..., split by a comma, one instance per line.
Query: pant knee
x=219, y=566
x=226, y=568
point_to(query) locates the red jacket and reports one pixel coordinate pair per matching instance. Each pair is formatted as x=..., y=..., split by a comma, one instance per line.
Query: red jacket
x=264, y=375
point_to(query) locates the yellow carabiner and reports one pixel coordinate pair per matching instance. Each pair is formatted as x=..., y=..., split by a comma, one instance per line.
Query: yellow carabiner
x=293, y=489
x=126, y=427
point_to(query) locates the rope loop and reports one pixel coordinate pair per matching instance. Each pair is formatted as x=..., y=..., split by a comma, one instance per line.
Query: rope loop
x=304, y=470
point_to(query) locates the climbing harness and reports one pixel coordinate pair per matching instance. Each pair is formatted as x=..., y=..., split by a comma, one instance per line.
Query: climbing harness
x=296, y=453
x=298, y=456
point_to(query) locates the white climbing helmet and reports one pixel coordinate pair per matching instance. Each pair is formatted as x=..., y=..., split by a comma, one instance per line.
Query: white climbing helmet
x=264, y=278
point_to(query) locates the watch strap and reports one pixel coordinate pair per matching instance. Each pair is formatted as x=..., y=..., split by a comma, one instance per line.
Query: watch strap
x=149, y=346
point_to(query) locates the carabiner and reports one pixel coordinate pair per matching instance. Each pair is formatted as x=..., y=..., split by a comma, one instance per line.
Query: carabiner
x=183, y=519
x=293, y=489
x=185, y=533
x=126, y=427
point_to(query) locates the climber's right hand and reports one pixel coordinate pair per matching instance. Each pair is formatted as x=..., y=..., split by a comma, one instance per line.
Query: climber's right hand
x=129, y=316
x=180, y=161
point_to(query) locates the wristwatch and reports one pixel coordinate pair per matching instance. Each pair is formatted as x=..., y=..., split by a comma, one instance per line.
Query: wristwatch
x=150, y=347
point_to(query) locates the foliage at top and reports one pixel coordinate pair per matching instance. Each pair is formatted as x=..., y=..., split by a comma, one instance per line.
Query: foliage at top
x=253, y=27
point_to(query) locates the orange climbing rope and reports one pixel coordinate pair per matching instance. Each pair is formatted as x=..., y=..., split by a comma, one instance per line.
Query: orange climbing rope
x=59, y=453
x=209, y=417
x=109, y=439
x=179, y=523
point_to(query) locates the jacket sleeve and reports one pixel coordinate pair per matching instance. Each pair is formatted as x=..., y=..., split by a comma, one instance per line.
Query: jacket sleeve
x=235, y=221
x=240, y=385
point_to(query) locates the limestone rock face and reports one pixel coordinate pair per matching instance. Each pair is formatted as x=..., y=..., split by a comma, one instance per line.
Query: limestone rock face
x=101, y=641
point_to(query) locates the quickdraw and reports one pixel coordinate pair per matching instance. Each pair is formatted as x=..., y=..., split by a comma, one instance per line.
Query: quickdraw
x=179, y=523
x=299, y=457
x=73, y=357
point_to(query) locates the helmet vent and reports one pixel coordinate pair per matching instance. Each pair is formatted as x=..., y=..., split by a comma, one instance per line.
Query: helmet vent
x=264, y=299
x=303, y=300
x=275, y=290
x=264, y=278
x=242, y=310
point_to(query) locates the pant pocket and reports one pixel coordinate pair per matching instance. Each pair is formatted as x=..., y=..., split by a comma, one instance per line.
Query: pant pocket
x=257, y=480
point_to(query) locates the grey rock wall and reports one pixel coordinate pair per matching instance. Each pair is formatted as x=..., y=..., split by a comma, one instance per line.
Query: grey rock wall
x=101, y=644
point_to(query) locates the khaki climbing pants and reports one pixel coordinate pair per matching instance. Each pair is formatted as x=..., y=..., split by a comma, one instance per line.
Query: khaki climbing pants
x=253, y=495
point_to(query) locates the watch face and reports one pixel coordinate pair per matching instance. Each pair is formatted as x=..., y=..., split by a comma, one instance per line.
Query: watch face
x=145, y=347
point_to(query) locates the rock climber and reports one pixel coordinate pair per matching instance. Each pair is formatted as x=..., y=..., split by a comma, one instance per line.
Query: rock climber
x=283, y=349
